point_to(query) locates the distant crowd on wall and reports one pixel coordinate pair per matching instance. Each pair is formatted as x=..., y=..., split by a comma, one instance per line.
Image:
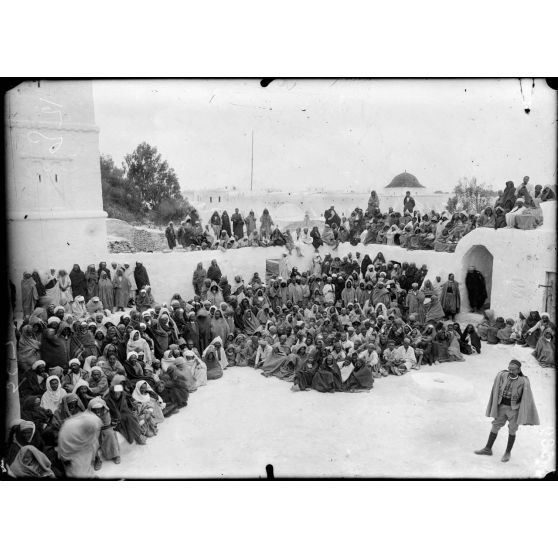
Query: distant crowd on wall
x=87, y=371
x=441, y=231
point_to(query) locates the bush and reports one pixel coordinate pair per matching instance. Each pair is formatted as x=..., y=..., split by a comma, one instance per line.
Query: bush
x=173, y=210
x=117, y=211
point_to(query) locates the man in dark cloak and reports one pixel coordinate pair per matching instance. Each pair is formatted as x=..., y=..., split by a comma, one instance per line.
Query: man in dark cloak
x=79, y=282
x=238, y=224
x=331, y=217
x=204, y=329
x=507, y=200
x=141, y=277
x=476, y=288
x=408, y=203
x=171, y=235
x=226, y=222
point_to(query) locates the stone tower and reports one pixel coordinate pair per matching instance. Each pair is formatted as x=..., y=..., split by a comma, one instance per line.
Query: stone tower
x=54, y=196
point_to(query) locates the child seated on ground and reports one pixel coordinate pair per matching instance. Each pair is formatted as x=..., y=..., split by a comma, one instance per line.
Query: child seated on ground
x=504, y=335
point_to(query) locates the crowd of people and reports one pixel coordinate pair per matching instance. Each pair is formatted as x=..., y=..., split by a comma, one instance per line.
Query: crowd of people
x=433, y=230
x=89, y=370
x=224, y=232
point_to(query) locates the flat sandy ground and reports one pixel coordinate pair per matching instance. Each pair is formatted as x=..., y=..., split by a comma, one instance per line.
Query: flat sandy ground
x=424, y=424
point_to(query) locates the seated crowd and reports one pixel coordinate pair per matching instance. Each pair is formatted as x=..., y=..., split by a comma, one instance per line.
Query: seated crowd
x=86, y=372
x=440, y=231
x=529, y=330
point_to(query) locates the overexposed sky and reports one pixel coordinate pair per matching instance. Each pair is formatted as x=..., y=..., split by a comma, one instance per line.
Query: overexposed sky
x=334, y=134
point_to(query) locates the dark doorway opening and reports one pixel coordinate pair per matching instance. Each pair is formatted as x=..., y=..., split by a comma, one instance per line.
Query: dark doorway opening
x=479, y=257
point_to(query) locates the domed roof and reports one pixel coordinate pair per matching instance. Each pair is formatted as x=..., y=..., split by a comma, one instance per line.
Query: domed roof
x=405, y=180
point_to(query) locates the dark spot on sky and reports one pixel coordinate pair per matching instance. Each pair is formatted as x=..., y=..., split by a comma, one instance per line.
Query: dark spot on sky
x=527, y=111
x=25, y=216
x=67, y=243
x=303, y=110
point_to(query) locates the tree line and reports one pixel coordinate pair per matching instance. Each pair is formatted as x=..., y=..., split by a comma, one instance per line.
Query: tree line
x=144, y=188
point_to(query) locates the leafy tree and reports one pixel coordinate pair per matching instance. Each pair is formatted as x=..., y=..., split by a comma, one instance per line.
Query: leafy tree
x=151, y=176
x=145, y=188
x=470, y=196
x=118, y=192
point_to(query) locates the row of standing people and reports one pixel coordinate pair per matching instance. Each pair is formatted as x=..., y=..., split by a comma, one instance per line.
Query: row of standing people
x=115, y=287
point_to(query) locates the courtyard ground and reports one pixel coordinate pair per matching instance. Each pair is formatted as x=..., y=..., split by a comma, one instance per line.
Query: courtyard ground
x=424, y=424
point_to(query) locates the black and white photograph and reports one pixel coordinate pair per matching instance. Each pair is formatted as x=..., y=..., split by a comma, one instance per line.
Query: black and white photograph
x=297, y=278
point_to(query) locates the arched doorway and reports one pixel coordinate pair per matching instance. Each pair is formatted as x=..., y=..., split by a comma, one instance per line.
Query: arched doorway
x=479, y=257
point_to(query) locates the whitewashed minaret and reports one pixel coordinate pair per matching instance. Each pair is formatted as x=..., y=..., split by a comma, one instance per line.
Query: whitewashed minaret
x=54, y=195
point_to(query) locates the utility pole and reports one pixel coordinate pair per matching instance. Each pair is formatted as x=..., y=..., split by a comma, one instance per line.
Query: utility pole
x=252, y=164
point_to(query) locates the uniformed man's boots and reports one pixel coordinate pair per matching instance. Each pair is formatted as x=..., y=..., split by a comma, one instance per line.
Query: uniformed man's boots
x=507, y=455
x=487, y=450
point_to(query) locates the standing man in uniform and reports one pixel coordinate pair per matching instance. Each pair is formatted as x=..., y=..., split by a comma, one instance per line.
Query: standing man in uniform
x=511, y=401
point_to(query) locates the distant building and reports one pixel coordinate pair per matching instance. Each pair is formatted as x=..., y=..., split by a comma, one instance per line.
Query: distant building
x=405, y=181
x=215, y=196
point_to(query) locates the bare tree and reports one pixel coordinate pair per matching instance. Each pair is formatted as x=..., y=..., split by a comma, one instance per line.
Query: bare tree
x=469, y=196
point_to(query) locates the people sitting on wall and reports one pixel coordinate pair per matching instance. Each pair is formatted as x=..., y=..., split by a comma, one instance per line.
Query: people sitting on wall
x=414, y=230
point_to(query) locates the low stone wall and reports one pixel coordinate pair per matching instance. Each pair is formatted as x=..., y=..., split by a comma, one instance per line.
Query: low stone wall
x=144, y=240
x=139, y=239
x=119, y=245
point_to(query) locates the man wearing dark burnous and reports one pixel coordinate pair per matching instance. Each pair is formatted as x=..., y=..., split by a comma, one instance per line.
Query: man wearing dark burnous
x=511, y=401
